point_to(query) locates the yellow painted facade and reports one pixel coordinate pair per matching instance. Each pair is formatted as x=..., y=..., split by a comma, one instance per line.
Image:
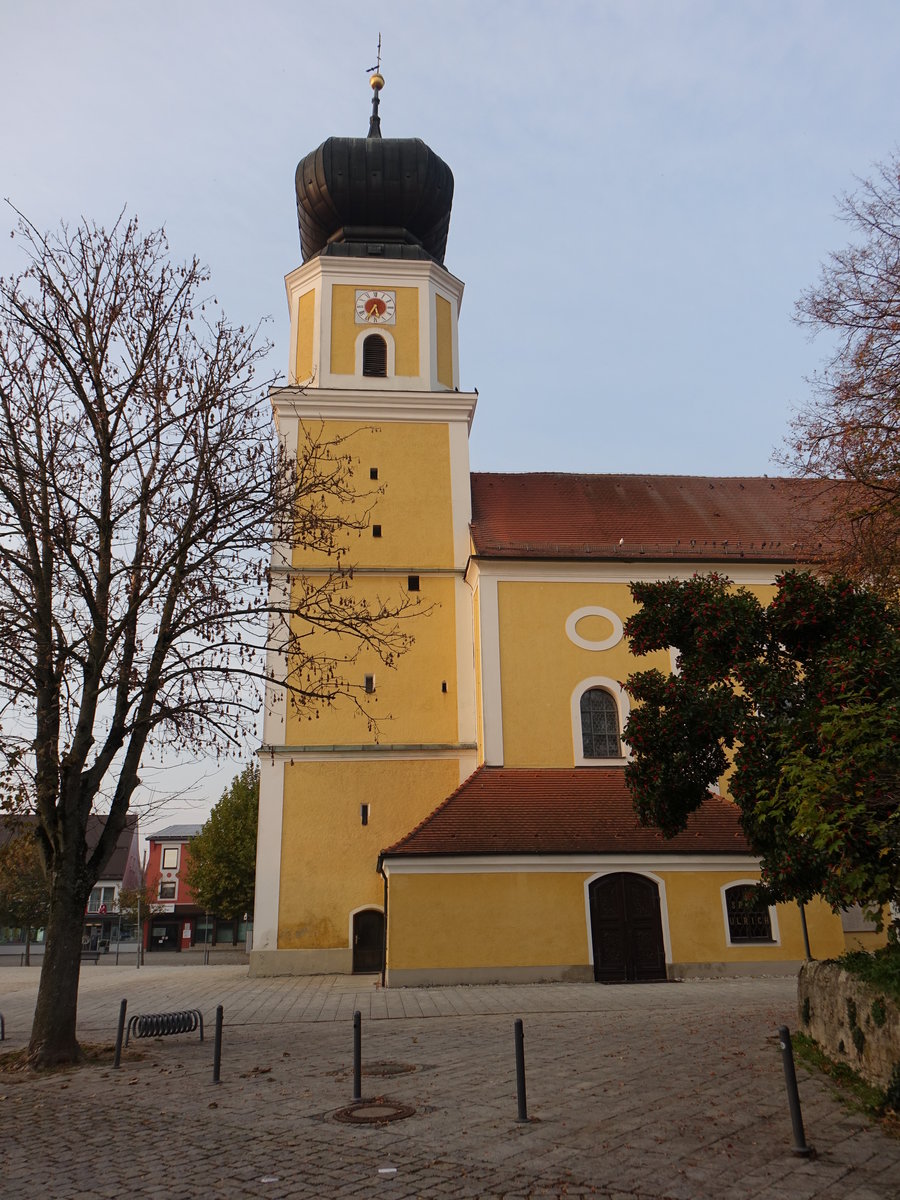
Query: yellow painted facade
x=501, y=653
x=420, y=672
x=306, y=316
x=346, y=330
x=409, y=501
x=328, y=858
x=511, y=921
x=444, y=339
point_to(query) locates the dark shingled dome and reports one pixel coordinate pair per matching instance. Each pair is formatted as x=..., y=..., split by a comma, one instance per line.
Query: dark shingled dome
x=374, y=196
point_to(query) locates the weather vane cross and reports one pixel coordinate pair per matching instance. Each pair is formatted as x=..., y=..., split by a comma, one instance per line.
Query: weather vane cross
x=376, y=80
x=377, y=68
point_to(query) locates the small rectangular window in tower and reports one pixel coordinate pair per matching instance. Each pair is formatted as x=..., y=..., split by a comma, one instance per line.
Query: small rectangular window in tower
x=444, y=687
x=376, y=531
x=412, y=583
x=373, y=472
x=364, y=814
x=370, y=684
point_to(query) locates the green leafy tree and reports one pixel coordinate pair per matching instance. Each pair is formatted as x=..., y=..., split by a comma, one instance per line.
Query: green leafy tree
x=222, y=870
x=798, y=703
x=24, y=888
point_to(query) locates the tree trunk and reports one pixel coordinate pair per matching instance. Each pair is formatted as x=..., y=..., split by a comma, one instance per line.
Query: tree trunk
x=53, y=1031
x=27, y=945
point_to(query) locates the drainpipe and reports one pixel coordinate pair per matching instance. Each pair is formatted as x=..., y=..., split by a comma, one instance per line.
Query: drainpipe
x=383, y=874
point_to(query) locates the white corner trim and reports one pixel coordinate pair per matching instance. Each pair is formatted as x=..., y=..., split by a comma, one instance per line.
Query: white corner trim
x=773, y=915
x=491, y=692
x=268, y=853
x=620, y=696
x=594, y=610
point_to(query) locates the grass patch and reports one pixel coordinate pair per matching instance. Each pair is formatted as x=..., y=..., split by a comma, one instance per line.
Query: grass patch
x=854, y=1092
x=880, y=968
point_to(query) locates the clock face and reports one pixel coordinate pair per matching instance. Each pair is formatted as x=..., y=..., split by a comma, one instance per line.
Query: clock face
x=375, y=308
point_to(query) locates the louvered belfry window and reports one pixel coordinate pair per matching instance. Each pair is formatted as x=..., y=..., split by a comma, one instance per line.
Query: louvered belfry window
x=375, y=356
x=600, y=725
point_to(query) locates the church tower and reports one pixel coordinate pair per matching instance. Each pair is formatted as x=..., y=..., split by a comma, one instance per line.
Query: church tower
x=373, y=358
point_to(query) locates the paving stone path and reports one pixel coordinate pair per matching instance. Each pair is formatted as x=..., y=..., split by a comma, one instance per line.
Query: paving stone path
x=664, y=1092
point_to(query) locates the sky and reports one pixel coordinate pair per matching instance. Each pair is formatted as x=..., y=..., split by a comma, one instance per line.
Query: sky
x=643, y=189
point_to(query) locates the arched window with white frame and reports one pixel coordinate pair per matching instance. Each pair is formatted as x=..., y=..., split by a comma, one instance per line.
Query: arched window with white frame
x=599, y=711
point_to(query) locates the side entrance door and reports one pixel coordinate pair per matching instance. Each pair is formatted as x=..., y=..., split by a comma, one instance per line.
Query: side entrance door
x=368, y=941
x=626, y=929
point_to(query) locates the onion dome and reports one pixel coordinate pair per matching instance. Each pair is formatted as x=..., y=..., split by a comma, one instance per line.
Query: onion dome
x=374, y=196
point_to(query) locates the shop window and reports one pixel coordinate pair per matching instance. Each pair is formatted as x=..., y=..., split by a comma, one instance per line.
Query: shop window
x=600, y=725
x=203, y=931
x=225, y=932
x=748, y=917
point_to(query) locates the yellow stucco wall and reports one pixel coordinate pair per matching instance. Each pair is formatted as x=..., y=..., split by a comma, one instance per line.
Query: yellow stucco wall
x=345, y=330
x=444, y=334
x=410, y=500
x=485, y=920
x=540, y=662
x=520, y=919
x=328, y=858
x=306, y=311
x=408, y=701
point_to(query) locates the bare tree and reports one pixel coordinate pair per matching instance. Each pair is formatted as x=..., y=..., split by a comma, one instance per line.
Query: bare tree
x=140, y=481
x=849, y=431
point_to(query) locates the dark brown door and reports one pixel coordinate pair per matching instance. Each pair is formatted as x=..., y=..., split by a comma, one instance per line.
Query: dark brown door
x=368, y=941
x=626, y=929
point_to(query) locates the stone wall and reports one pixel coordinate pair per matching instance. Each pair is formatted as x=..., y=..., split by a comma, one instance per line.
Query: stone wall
x=853, y=1021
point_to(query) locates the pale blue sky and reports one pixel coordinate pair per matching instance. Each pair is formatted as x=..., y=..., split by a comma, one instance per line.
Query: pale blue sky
x=642, y=189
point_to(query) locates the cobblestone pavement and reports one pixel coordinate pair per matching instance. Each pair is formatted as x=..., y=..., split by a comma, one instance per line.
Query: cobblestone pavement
x=663, y=1092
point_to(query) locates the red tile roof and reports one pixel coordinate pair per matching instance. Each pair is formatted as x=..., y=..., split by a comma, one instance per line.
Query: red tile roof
x=586, y=810
x=628, y=517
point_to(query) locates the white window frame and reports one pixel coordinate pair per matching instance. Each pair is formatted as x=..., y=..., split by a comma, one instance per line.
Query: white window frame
x=624, y=707
x=365, y=332
x=773, y=916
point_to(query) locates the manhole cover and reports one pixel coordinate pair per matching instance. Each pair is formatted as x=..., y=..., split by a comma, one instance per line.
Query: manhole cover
x=387, y=1068
x=374, y=1112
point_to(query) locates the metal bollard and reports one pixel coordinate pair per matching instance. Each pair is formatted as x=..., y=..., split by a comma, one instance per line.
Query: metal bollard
x=217, y=1050
x=520, y=1070
x=357, y=1056
x=119, y=1032
x=790, y=1078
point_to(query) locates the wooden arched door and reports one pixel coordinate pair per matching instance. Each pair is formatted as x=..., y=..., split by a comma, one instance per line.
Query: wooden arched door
x=626, y=929
x=368, y=940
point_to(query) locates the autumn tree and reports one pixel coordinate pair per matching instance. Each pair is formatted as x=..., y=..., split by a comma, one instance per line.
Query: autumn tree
x=24, y=888
x=222, y=870
x=848, y=433
x=140, y=484
x=800, y=701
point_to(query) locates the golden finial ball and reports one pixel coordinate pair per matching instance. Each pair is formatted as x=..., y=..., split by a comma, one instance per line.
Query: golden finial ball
x=376, y=81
